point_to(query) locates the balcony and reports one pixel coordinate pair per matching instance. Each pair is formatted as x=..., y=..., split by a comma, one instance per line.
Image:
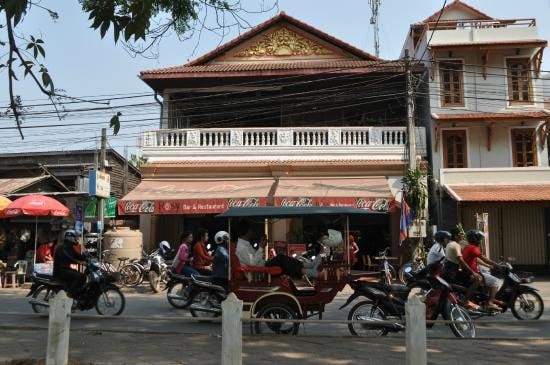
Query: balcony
x=269, y=143
x=481, y=31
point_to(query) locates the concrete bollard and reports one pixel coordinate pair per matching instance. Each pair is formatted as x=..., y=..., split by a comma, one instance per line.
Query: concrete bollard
x=415, y=312
x=59, y=327
x=232, y=330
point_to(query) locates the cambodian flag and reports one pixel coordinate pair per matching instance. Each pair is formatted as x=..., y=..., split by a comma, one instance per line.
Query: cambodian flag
x=404, y=222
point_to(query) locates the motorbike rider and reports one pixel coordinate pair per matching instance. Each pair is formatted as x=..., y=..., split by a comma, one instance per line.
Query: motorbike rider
x=182, y=261
x=220, y=261
x=455, y=269
x=65, y=255
x=437, y=251
x=248, y=256
x=471, y=254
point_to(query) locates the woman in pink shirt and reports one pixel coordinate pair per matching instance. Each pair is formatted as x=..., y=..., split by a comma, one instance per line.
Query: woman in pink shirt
x=182, y=261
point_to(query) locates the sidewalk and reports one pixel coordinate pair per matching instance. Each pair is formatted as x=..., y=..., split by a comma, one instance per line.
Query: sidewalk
x=119, y=348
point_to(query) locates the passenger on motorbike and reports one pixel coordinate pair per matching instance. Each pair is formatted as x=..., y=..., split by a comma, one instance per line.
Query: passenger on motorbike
x=452, y=272
x=65, y=255
x=437, y=251
x=220, y=262
x=471, y=254
x=248, y=256
x=182, y=261
x=202, y=260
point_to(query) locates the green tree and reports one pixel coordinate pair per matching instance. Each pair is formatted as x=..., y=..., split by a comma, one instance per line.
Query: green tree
x=139, y=24
x=137, y=160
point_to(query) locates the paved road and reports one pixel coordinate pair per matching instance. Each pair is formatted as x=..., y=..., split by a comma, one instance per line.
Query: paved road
x=167, y=340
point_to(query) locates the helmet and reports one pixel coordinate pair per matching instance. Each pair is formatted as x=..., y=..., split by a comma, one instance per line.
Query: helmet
x=475, y=236
x=333, y=239
x=164, y=247
x=441, y=235
x=72, y=236
x=220, y=237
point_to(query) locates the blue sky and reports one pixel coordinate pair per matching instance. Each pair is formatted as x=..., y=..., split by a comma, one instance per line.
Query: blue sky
x=85, y=66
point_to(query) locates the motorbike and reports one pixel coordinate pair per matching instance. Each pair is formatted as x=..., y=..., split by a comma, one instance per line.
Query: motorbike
x=415, y=266
x=177, y=290
x=206, y=297
x=99, y=292
x=158, y=272
x=514, y=293
x=386, y=302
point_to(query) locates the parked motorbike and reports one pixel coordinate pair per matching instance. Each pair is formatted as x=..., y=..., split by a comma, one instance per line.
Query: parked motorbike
x=386, y=302
x=413, y=266
x=99, y=291
x=522, y=299
x=206, y=297
x=158, y=272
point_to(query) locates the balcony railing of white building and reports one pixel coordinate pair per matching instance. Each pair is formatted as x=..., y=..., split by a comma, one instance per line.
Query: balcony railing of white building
x=317, y=140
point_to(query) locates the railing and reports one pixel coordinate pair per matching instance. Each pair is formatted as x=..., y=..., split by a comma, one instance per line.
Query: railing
x=279, y=137
x=476, y=24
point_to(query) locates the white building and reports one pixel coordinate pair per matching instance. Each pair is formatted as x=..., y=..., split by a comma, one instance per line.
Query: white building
x=487, y=126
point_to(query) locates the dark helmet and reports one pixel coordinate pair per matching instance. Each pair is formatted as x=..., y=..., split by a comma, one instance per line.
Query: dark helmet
x=475, y=236
x=441, y=235
x=72, y=236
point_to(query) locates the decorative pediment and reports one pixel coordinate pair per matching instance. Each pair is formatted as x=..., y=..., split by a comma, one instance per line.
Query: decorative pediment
x=284, y=42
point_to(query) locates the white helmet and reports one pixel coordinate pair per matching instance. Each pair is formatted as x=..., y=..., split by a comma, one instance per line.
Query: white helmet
x=333, y=239
x=220, y=237
x=164, y=246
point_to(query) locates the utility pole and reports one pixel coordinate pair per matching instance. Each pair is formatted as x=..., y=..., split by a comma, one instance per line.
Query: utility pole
x=374, y=5
x=101, y=203
x=411, y=140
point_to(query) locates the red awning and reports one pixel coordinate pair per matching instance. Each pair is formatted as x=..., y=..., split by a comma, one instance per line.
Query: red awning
x=162, y=196
x=194, y=196
x=365, y=193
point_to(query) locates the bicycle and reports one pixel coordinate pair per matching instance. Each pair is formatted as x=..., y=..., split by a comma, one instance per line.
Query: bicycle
x=128, y=273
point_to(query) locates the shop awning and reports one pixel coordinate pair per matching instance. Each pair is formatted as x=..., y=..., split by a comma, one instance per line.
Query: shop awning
x=10, y=186
x=364, y=193
x=499, y=193
x=163, y=196
x=158, y=196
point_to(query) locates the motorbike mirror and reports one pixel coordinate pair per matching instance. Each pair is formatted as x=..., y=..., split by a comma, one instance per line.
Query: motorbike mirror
x=511, y=259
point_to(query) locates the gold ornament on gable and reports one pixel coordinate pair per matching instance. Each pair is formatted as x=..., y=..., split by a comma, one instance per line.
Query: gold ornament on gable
x=284, y=42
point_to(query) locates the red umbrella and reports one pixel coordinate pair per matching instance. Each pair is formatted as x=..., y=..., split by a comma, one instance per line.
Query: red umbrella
x=36, y=205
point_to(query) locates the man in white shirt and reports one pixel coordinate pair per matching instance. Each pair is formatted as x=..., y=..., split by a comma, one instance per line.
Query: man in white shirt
x=249, y=256
x=437, y=252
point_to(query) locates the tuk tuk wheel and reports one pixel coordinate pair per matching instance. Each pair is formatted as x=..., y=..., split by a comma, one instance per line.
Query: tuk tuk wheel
x=280, y=312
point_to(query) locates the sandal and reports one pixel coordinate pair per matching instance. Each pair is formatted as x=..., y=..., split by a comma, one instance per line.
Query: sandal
x=470, y=305
x=493, y=306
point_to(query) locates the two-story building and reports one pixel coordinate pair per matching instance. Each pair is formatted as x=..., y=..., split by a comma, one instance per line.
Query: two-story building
x=285, y=114
x=487, y=127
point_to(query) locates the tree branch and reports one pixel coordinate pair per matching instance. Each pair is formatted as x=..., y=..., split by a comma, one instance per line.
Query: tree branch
x=14, y=106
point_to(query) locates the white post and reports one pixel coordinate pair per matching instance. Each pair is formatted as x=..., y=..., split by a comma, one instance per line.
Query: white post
x=232, y=330
x=415, y=312
x=58, y=330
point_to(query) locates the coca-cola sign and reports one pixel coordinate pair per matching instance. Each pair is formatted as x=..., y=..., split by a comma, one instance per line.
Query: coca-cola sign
x=296, y=202
x=243, y=203
x=377, y=205
x=136, y=207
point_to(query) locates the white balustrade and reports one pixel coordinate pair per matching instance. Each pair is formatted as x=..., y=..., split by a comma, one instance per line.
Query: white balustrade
x=303, y=137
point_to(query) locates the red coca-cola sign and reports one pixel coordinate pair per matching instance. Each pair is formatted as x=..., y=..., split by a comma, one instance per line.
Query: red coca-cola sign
x=243, y=203
x=377, y=205
x=296, y=202
x=168, y=207
x=136, y=207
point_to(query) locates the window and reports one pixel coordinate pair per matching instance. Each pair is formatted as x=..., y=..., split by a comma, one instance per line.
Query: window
x=519, y=81
x=454, y=149
x=451, y=76
x=524, y=147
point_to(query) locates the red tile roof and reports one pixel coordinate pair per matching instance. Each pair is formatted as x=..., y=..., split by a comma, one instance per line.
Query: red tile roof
x=457, y=4
x=513, y=116
x=321, y=66
x=500, y=193
x=282, y=17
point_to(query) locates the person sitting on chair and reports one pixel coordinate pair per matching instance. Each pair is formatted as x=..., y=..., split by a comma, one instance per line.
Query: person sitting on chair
x=248, y=256
x=65, y=255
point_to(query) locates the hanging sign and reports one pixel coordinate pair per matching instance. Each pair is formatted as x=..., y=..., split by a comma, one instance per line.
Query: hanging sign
x=100, y=184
